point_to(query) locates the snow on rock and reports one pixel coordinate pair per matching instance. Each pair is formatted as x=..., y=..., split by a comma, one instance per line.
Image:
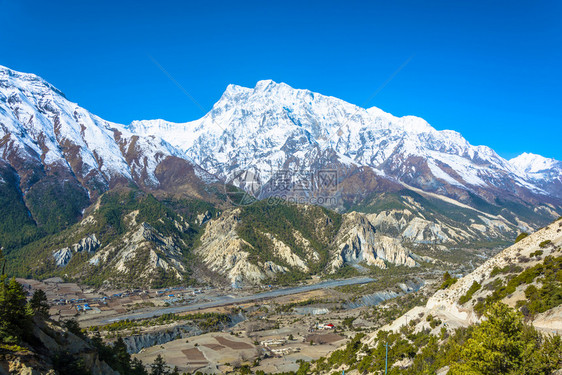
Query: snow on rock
x=538, y=169
x=532, y=163
x=260, y=130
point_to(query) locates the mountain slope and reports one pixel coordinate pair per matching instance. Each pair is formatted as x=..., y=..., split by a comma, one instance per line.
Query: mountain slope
x=543, y=172
x=511, y=277
x=283, y=127
x=274, y=140
x=57, y=157
x=287, y=242
x=129, y=238
x=53, y=347
x=504, y=317
x=412, y=182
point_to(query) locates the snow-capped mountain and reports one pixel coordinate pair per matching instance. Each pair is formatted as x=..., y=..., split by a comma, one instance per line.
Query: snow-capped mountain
x=274, y=127
x=53, y=146
x=541, y=171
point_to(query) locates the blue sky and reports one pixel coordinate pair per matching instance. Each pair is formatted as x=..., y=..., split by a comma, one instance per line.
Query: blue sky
x=488, y=69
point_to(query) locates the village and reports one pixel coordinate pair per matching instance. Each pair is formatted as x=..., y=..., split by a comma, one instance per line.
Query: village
x=70, y=300
x=266, y=339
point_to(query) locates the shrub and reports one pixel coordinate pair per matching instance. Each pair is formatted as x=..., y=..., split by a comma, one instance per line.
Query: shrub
x=468, y=296
x=545, y=243
x=521, y=236
x=511, y=268
x=433, y=322
x=550, y=269
x=448, y=280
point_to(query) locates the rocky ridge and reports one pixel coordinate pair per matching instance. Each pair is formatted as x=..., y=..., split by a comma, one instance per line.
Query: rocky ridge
x=445, y=305
x=274, y=127
x=223, y=250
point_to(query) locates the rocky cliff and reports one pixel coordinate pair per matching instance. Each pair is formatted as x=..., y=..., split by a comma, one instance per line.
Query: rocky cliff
x=226, y=249
x=88, y=244
x=358, y=241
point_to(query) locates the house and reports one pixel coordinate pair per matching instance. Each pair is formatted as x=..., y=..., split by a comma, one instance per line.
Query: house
x=272, y=342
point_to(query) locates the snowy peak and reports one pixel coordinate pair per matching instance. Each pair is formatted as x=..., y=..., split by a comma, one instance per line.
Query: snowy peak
x=533, y=163
x=26, y=81
x=275, y=126
x=55, y=145
x=266, y=85
x=263, y=129
x=543, y=172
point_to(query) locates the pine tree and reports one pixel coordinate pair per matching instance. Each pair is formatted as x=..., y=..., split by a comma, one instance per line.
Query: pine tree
x=39, y=303
x=497, y=345
x=14, y=311
x=122, y=356
x=2, y=262
x=73, y=327
x=159, y=366
x=137, y=367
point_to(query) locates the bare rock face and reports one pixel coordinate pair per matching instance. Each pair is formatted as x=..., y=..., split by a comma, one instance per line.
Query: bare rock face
x=223, y=252
x=87, y=244
x=357, y=241
x=142, y=252
x=284, y=252
x=420, y=224
x=62, y=256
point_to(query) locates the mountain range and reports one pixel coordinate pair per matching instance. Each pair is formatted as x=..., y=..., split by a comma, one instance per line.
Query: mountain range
x=412, y=181
x=274, y=127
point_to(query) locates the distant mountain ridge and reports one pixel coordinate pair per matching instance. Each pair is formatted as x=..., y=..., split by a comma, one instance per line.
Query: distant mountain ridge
x=274, y=126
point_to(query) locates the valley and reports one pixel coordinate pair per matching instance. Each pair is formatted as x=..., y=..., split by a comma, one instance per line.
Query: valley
x=276, y=328
x=270, y=328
